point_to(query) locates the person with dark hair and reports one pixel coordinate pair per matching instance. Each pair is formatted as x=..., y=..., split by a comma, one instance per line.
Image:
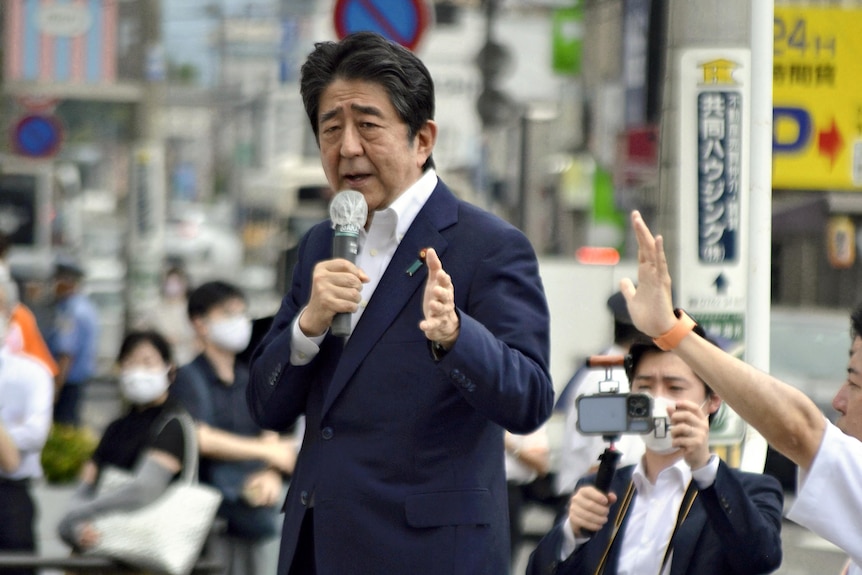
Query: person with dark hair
x=147, y=440
x=680, y=510
x=26, y=399
x=401, y=466
x=579, y=453
x=829, y=456
x=73, y=340
x=240, y=459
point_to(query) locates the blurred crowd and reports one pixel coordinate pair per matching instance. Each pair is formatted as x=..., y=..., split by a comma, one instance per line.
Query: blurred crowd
x=188, y=357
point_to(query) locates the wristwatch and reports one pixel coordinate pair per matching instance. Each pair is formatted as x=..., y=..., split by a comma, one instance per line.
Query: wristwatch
x=671, y=338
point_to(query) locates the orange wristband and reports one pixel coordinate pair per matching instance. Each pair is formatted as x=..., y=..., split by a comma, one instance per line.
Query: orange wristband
x=671, y=338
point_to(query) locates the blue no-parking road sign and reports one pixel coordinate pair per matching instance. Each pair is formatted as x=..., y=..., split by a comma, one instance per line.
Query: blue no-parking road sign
x=402, y=21
x=37, y=136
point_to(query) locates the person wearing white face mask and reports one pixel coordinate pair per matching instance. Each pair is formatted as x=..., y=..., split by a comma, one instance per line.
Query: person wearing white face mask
x=680, y=510
x=243, y=461
x=147, y=440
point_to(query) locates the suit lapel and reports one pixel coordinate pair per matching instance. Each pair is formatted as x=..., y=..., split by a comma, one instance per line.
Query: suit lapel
x=397, y=286
x=620, y=483
x=685, y=539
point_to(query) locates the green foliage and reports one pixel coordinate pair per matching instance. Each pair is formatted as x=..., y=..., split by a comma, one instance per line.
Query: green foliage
x=66, y=451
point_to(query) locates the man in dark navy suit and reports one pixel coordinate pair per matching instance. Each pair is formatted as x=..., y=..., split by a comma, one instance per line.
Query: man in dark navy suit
x=680, y=510
x=401, y=467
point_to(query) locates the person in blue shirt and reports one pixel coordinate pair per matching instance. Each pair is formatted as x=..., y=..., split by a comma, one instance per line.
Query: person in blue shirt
x=73, y=340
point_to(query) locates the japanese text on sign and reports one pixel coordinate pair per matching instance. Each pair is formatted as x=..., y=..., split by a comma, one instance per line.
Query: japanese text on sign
x=719, y=172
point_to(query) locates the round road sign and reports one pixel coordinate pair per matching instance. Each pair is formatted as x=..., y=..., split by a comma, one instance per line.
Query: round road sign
x=401, y=21
x=37, y=136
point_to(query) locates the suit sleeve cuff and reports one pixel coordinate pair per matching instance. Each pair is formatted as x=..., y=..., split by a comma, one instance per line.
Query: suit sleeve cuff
x=303, y=349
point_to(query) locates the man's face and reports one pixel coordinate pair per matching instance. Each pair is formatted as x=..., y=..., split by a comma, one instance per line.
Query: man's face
x=230, y=309
x=364, y=145
x=64, y=286
x=848, y=400
x=663, y=374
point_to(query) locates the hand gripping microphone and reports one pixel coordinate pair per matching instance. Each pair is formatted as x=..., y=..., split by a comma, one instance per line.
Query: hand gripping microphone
x=348, y=212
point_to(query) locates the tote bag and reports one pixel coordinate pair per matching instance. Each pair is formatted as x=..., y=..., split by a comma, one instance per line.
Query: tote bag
x=167, y=535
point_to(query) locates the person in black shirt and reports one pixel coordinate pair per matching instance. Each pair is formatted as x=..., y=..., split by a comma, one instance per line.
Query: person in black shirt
x=148, y=440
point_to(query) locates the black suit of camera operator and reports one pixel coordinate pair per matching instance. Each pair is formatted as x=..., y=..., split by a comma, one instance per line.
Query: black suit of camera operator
x=680, y=510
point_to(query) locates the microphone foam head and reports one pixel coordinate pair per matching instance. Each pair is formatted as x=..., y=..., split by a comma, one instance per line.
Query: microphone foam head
x=348, y=207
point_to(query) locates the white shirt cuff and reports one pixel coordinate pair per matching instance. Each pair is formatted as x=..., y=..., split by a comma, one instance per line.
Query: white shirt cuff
x=705, y=476
x=570, y=542
x=303, y=348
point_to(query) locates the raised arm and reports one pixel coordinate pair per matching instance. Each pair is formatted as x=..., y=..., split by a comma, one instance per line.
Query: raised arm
x=785, y=416
x=276, y=451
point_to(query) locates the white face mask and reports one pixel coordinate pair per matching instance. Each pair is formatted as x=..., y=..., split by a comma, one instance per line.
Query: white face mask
x=662, y=443
x=142, y=386
x=231, y=334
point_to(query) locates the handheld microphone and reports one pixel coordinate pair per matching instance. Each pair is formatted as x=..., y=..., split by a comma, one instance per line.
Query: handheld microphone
x=348, y=212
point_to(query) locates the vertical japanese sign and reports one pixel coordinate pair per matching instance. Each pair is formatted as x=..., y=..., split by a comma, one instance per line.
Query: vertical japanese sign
x=61, y=41
x=713, y=193
x=719, y=167
x=567, y=34
x=146, y=227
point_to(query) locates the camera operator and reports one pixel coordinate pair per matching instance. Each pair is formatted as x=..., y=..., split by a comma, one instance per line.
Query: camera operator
x=680, y=510
x=829, y=501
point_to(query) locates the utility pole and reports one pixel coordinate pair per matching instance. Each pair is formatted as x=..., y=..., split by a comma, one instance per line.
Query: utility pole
x=715, y=186
x=147, y=190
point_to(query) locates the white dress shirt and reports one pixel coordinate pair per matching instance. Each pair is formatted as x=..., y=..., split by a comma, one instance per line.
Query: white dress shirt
x=829, y=500
x=652, y=517
x=377, y=245
x=26, y=408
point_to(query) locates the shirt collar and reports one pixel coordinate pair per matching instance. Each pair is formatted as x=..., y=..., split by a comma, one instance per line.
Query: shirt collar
x=406, y=207
x=679, y=473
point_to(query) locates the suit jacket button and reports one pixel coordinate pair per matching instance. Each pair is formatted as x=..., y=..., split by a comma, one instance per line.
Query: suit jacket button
x=326, y=433
x=303, y=498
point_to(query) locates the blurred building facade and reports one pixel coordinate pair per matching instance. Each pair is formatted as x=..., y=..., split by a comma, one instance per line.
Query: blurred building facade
x=551, y=114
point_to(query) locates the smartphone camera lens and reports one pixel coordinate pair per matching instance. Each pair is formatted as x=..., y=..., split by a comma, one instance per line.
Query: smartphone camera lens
x=638, y=405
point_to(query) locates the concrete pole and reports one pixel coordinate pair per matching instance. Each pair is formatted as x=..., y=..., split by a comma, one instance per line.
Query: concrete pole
x=760, y=207
x=706, y=33
x=147, y=189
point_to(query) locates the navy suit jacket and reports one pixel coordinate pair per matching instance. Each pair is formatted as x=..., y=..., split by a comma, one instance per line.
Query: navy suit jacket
x=402, y=457
x=733, y=528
